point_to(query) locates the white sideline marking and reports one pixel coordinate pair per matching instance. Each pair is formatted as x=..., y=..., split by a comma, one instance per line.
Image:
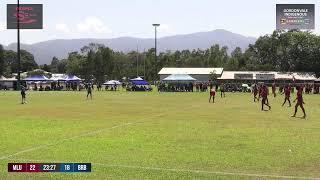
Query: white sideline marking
x=186, y=170
x=66, y=139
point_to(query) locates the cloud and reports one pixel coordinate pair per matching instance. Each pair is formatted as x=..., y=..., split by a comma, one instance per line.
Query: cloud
x=93, y=25
x=165, y=28
x=63, y=28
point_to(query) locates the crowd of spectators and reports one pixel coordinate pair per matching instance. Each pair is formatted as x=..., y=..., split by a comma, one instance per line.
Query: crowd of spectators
x=309, y=88
x=138, y=87
x=175, y=87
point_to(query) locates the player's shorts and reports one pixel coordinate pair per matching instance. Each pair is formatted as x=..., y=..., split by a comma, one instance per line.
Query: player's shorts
x=299, y=102
x=23, y=95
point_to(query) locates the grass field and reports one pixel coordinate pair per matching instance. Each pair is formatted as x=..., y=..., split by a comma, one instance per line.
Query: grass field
x=147, y=135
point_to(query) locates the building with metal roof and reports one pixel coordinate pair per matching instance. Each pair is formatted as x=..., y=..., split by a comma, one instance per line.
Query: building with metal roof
x=203, y=75
x=266, y=76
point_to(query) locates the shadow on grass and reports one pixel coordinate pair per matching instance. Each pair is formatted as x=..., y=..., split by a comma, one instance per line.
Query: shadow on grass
x=304, y=118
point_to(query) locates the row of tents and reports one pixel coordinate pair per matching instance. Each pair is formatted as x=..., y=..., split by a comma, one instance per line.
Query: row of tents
x=60, y=78
x=135, y=81
x=43, y=78
x=138, y=80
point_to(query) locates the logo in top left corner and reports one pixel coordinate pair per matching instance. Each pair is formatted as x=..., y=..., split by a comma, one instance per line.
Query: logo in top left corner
x=26, y=16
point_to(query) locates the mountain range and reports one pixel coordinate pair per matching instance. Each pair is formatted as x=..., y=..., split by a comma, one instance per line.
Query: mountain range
x=46, y=50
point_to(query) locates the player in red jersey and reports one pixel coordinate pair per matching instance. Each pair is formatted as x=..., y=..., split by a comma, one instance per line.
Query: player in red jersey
x=212, y=94
x=264, y=95
x=274, y=89
x=259, y=91
x=300, y=102
x=255, y=93
x=267, y=89
x=287, y=92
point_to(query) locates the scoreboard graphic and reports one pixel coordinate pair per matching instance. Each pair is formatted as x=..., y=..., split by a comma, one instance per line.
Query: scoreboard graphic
x=49, y=167
x=295, y=16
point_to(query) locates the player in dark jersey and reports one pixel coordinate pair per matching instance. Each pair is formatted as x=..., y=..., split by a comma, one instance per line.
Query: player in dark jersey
x=287, y=92
x=300, y=102
x=274, y=89
x=89, y=90
x=212, y=94
x=264, y=95
x=222, y=90
x=23, y=95
x=255, y=93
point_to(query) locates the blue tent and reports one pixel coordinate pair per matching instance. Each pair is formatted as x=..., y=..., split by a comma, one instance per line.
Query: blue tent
x=36, y=78
x=139, y=82
x=179, y=77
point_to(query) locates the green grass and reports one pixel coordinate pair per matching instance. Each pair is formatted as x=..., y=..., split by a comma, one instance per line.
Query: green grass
x=170, y=131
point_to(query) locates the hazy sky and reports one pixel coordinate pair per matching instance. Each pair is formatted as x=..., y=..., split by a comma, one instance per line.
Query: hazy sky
x=69, y=19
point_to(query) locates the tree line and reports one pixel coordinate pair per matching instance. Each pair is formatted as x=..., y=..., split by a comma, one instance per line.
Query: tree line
x=292, y=51
x=9, y=64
